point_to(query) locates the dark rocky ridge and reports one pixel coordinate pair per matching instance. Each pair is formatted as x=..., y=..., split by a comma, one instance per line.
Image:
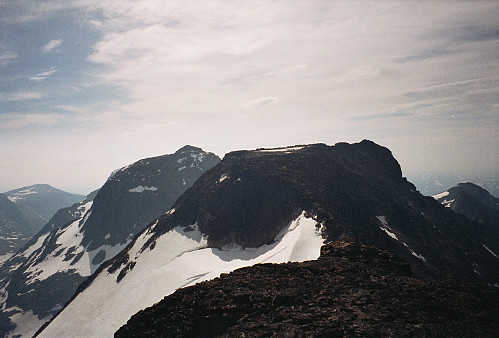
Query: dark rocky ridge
x=251, y=195
x=353, y=289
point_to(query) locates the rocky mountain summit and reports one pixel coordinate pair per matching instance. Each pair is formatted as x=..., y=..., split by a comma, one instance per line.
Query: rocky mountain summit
x=472, y=201
x=353, y=289
x=37, y=281
x=274, y=206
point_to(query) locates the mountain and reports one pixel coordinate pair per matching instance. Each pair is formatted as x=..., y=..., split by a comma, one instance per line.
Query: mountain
x=39, y=202
x=274, y=206
x=353, y=289
x=41, y=278
x=14, y=228
x=472, y=201
x=430, y=184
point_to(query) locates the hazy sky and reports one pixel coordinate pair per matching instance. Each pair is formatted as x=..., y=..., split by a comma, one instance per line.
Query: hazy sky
x=89, y=86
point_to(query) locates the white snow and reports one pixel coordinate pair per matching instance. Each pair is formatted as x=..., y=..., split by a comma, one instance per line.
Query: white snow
x=107, y=236
x=35, y=246
x=27, y=323
x=5, y=257
x=223, y=178
x=178, y=259
x=442, y=194
x=141, y=189
x=282, y=150
x=386, y=228
x=20, y=194
x=491, y=252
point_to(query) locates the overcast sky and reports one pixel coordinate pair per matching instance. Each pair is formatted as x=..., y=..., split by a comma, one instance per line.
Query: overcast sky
x=89, y=86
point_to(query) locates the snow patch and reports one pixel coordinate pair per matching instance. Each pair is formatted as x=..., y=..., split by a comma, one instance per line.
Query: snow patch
x=386, y=228
x=35, y=246
x=282, y=150
x=223, y=178
x=139, y=189
x=491, y=252
x=21, y=194
x=27, y=324
x=439, y=196
x=180, y=258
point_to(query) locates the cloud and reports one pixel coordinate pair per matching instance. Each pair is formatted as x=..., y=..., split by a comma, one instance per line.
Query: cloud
x=51, y=45
x=14, y=121
x=42, y=75
x=263, y=101
x=20, y=96
x=6, y=57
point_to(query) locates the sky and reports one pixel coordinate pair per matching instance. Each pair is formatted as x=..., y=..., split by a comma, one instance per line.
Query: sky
x=89, y=86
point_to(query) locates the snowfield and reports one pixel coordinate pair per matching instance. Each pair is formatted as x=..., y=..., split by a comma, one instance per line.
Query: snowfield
x=178, y=259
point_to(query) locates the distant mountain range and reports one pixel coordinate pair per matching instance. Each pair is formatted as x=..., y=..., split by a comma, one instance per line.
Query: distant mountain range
x=40, y=278
x=25, y=210
x=275, y=206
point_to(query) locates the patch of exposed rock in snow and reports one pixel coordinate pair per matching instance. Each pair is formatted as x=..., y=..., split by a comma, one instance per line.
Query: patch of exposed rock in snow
x=179, y=258
x=141, y=189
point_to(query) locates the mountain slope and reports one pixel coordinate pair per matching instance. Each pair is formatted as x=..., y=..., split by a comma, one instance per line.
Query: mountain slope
x=353, y=289
x=472, y=201
x=39, y=202
x=14, y=228
x=236, y=214
x=41, y=277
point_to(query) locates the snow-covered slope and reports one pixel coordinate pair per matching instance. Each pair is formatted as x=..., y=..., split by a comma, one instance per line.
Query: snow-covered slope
x=179, y=258
x=42, y=277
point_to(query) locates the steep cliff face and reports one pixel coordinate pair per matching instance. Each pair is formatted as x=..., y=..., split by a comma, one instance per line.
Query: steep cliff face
x=353, y=289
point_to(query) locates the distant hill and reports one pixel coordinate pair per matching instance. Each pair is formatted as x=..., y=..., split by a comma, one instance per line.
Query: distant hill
x=431, y=184
x=40, y=202
x=472, y=201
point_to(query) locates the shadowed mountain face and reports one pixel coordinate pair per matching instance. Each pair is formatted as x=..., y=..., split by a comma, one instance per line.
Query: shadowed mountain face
x=14, y=227
x=241, y=208
x=25, y=210
x=472, y=201
x=37, y=281
x=352, y=290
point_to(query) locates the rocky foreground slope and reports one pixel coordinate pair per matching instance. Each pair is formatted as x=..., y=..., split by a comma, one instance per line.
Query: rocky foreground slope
x=353, y=289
